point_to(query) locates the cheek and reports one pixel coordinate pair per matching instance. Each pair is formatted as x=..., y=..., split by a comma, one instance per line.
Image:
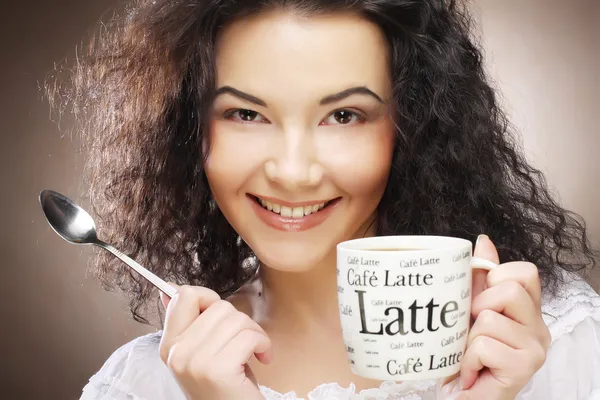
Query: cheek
x=360, y=166
x=230, y=161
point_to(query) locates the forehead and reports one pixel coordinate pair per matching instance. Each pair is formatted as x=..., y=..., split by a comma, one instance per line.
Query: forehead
x=280, y=51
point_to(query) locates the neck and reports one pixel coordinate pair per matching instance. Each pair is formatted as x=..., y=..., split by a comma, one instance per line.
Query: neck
x=305, y=301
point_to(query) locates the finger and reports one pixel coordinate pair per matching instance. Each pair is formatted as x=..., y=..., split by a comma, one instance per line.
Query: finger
x=485, y=387
x=164, y=298
x=510, y=299
x=486, y=352
x=485, y=249
x=507, y=371
x=497, y=326
x=209, y=340
x=185, y=307
x=206, y=323
x=245, y=344
x=523, y=272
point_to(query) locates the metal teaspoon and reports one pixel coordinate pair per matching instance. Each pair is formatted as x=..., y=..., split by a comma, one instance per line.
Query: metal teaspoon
x=75, y=225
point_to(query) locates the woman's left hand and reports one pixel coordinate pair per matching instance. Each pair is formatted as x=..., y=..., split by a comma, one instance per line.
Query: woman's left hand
x=508, y=341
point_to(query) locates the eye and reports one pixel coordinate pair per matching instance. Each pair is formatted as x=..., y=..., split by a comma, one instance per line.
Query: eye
x=244, y=116
x=344, y=117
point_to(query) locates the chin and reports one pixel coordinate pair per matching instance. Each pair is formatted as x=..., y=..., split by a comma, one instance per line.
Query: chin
x=295, y=257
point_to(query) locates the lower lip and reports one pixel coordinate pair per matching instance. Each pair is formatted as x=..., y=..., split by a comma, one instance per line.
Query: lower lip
x=286, y=224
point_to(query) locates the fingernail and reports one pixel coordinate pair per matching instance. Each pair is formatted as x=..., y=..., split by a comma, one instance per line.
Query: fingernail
x=480, y=237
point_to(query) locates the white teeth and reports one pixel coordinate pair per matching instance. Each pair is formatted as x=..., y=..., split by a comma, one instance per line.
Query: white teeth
x=289, y=212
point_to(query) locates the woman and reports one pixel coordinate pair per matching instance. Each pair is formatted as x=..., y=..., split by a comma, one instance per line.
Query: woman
x=235, y=143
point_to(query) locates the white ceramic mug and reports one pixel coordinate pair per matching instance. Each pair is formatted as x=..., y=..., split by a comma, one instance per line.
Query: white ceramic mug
x=405, y=304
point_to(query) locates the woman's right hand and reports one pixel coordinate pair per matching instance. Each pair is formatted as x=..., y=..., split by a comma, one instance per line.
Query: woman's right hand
x=207, y=344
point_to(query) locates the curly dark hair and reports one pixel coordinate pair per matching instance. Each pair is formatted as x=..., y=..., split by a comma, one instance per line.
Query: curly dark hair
x=142, y=90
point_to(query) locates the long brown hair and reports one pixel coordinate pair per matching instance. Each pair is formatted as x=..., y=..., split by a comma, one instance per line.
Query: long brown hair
x=144, y=84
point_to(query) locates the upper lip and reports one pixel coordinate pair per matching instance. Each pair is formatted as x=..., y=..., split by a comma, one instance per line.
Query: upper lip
x=291, y=204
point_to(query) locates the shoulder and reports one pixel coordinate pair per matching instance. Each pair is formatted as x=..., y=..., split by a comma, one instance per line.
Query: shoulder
x=134, y=371
x=573, y=360
x=574, y=303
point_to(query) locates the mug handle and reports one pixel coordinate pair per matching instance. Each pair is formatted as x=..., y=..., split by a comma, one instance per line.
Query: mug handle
x=480, y=263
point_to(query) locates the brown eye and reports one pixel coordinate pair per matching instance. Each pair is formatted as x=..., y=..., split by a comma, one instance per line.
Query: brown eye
x=247, y=115
x=244, y=116
x=343, y=117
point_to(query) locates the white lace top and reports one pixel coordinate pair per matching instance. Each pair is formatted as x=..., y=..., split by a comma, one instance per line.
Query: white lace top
x=571, y=372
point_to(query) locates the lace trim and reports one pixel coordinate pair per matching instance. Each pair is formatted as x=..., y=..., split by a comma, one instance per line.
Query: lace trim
x=108, y=387
x=595, y=395
x=388, y=390
x=576, y=302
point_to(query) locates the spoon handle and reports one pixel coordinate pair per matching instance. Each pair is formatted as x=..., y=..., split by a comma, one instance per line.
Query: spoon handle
x=153, y=279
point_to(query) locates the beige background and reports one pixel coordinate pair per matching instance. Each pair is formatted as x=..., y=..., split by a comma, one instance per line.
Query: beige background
x=58, y=326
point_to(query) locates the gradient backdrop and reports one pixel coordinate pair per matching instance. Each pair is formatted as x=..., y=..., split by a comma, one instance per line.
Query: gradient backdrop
x=58, y=325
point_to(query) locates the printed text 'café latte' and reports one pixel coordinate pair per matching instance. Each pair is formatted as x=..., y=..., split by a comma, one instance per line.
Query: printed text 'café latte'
x=405, y=304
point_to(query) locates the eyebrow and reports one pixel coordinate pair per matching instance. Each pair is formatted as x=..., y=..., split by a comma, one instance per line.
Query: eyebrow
x=242, y=95
x=332, y=98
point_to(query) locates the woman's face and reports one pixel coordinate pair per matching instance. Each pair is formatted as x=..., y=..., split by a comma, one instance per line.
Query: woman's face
x=301, y=138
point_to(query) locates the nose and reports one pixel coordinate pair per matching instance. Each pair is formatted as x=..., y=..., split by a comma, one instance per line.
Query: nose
x=294, y=164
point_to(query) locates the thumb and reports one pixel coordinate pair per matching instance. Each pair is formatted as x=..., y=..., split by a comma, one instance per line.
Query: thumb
x=485, y=249
x=164, y=298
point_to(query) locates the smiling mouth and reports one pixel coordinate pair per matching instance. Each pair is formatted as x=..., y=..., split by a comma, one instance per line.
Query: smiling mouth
x=292, y=212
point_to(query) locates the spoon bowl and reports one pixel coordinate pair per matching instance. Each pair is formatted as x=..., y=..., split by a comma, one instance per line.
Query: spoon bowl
x=67, y=219
x=75, y=225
